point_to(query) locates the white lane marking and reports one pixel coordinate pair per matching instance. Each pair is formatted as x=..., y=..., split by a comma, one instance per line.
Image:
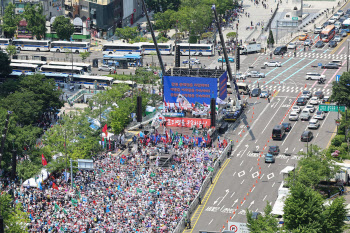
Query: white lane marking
x=262, y=176
x=288, y=134
x=241, y=163
x=234, y=202
x=234, y=174
x=242, y=181
x=253, y=188
x=264, y=197
x=273, y=184
x=233, y=194
x=269, y=165
x=251, y=169
x=241, y=173
x=210, y=221
x=242, y=203
x=255, y=174
x=270, y=176
x=273, y=115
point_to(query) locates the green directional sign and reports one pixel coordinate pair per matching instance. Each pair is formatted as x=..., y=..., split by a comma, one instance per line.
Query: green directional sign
x=294, y=18
x=330, y=108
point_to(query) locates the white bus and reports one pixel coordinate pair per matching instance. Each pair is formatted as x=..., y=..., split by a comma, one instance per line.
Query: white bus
x=35, y=62
x=122, y=49
x=131, y=84
x=61, y=69
x=66, y=46
x=32, y=45
x=4, y=43
x=242, y=88
x=24, y=68
x=196, y=49
x=88, y=80
x=164, y=48
x=86, y=66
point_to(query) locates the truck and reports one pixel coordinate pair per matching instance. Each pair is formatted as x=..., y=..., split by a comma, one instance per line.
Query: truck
x=250, y=47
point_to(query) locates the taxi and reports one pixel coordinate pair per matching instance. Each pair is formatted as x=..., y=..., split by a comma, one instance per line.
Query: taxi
x=303, y=37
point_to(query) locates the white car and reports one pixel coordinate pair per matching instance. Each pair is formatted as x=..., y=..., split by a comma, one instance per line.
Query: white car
x=313, y=124
x=305, y=115
x=240, y=76
x=293, y=116
x=296, y=109
x=332, y=20
x=308, y=42
x=336, y=16
x=291, y=45
x=340, y=12
x=265, y=94
x=337, y=38
x=314, y=101
x=318, y=30
x=314, y=76
x=306, y=94
x=255, y=74
x=273, y=64
x=310, y=108
x=105, y=68
x=319, y=115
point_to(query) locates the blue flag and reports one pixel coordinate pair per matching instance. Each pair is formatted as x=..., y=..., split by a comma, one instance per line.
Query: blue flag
x=107, y=210
x=119, y=188
x=40, y=187
x=31, y=217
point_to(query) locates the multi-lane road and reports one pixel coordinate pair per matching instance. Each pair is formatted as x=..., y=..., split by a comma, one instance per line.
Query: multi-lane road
x=245, y=181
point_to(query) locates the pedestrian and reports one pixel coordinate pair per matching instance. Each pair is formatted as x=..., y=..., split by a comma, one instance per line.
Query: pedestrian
x=199, y=200
x=211, y=179
x=268, y=99
x=251, y=23
x=295, y=53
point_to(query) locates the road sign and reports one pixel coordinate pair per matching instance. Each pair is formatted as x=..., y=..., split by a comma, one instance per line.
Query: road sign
x=337, y=78
x=295, y=18
x=337, y=122
x=330, y=108
x=238, y=227
x=319, y=64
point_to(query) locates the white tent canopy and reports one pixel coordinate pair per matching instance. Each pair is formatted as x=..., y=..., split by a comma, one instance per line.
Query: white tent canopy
x=43, y=175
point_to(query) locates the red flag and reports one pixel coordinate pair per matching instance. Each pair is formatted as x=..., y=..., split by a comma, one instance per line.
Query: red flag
x=165, y=104
x=54, y=186
x=43, y=160
x=105, y=130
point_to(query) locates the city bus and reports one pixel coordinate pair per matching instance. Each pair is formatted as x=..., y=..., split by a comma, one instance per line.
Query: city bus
x=87, y=80
x=61, y=69
x=196, y=49
x=327, y=33
x=242, y=88
x=114, y=60
x=4, y=43
x=131, y=84
x=35, y=62
x=122, y=49
x=66, y=46
x=24, y=68
x=346, y=25
x=86, y=66
x=150, y=48
x=32, y=45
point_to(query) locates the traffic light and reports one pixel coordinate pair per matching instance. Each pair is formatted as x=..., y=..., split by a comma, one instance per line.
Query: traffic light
x=177, y=56
x=237, y=59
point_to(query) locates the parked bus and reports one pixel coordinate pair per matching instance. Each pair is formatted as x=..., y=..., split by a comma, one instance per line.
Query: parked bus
x=66, y=46
x=86, y=66
x=122, y=49
x=24, y=68
x=88, y=80
x=4, y=43
x=34, y=62
x=61, y=69
x=164, y=48
x=115, y=60
x=327, y=33
x=32, y=45
x=197, y=49
x=242, y=88
x=131, y=84
x=346, y=25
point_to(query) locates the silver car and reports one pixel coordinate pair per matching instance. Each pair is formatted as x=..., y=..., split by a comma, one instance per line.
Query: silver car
x=105, y=68
x=255, y=74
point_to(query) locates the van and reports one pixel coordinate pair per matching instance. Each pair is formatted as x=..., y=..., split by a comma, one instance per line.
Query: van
x=280, y=50
x=278, y=132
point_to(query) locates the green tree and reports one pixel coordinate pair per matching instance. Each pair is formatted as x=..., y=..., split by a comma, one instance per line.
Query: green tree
x=341, y=90
x=265, y=224
x=231, y=35
x=126, y=33
x=5, y=68
x=165, y=20
x=36, y=20
x=11, y=50
x=15, y=220
x=84, y=55
x=63, y=27
x=270, y=39
x=10, y=21
x=333, y=216
x=303, y=209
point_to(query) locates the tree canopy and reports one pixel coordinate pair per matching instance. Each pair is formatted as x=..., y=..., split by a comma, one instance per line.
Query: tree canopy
x=341, y=90
x=127, y=33
x=263, y=224
x=63, y=27
x=36, y=20
x=10, y=20
x=5, y=68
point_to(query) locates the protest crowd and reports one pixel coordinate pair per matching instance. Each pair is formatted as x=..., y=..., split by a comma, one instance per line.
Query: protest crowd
x=128, y=192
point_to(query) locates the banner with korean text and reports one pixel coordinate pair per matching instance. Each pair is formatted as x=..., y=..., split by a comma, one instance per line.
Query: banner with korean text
x=187, y=122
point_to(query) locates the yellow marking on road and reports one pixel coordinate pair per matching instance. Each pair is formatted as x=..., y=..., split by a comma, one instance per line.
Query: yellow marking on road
x=338, y=46
x=330, y=140
x=200, y=208
x=274, y=95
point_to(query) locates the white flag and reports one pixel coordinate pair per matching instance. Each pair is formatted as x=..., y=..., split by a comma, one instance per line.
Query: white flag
x=183, y=101
x=158, y=119
x=220, y=101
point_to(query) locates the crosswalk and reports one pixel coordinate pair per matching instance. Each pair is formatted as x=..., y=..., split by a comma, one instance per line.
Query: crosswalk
x=312, y=55
x=291, y=89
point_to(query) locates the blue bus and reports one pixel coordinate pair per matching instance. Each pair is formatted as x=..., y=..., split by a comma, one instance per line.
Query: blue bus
x=32, y=45
x=113, y=60
x=122, y=49
x=346, y=25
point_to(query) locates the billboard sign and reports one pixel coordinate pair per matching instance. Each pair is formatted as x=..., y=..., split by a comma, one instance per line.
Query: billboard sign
x=195, y=89
x=223, y=86
x=186, y=122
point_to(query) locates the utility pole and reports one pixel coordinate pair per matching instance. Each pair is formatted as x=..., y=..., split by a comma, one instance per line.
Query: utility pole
x=14, y=161
x=347, y=58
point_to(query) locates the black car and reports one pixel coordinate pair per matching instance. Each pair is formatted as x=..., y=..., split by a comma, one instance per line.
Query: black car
x=319, y=44
x=326, y=24
x=301, y=101
x=342, y=19
x=332, y=44
x=280, y=50
x=330, y=66
x=256, y=92
x=306, y=136
x=287, y=126
x=319, y=94
x=325, y=99
x=274, y=150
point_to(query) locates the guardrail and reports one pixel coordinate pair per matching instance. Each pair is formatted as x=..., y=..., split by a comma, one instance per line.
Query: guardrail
x=223, y=156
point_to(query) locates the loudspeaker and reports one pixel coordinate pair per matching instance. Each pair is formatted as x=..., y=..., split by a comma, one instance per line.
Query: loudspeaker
x=177, y=56
x=139, y=109
x=43, y=58
x=212, y=112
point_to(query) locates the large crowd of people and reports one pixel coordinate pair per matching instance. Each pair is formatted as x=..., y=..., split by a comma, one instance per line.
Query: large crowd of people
x=128, y=192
